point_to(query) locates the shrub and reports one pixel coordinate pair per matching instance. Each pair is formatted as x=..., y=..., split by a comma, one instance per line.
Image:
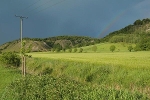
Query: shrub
x=63, y=49
x=46, y=71
x=75, y=49
x=10, y=59
x=112, y=48
x=130, y=48
x=94, y=48
x=70, y=50
x=80, y=50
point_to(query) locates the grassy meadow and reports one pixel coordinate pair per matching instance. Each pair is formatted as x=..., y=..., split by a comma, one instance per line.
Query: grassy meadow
x=7, y=75
x=120, y=70
x=126, y=59
x=120, y=75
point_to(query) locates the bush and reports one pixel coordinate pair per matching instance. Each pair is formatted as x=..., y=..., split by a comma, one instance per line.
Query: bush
x=46, y=71
x=112, y=48
x=130, y=48
x=10, y=59
x=80, y=50
x=70, y=50
x=94, y=48
x=75, y=49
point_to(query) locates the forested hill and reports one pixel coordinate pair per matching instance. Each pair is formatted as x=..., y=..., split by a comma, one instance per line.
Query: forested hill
x=52, y=43
x=132, y=33
x=138, y=33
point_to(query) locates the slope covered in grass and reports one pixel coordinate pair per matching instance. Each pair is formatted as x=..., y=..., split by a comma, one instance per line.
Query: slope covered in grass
x=105, y=47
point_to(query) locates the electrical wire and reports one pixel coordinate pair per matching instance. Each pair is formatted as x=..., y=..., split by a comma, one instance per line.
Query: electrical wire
x=51, y=6
x=29, y=6
x=45, y=7
x=38, y=7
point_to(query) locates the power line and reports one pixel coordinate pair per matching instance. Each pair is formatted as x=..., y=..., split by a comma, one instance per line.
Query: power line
x=37, y=7
x=51, y=6
x=48, y=6
x=30, y=6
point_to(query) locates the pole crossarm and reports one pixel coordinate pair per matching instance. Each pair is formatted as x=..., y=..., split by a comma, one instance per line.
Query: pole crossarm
x=21, y=17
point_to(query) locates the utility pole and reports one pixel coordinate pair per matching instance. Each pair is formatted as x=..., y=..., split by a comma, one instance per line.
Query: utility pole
x=22, y=55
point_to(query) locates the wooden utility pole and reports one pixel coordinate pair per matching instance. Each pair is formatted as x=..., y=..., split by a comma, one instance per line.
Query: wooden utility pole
x=21, y=47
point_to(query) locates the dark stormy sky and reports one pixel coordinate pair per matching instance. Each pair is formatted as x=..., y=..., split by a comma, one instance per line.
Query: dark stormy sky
x=47, y=18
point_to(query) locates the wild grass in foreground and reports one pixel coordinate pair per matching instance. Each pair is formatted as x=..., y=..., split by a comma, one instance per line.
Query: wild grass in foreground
x=62, y=88
x=7, y=75
x=122, y=71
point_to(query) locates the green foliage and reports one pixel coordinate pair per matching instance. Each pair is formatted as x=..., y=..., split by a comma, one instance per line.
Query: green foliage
x=57, y=47
x=57, y=50
x=52, y=49
x=50, y=88
x=75, y=49
x=138, y=22
x=141, y=22
x=130, y=48
x=144, y=44
x=89, y=78
x=63, y=49
x=112, y=48
x=46, y=71
x=131, y=33
x=7, y=75
x=10, y=59
x=29, y=49
x=94, y=48
x=23, y=50
x=70, y=50
x=80, y=50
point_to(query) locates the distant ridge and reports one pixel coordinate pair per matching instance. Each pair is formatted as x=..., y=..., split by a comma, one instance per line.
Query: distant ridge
x=47, y=44
x=137, y=33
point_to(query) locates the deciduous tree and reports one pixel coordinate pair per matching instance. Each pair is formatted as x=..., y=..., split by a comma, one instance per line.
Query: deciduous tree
x=112, y=48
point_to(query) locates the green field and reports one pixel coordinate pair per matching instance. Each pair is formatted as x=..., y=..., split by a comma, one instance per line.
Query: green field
x=126, y=59
x=123, y=70
x=105, y=74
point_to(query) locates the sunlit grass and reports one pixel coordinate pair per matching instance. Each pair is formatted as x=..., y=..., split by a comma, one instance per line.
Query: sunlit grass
x=7, y=75
x=127, y=59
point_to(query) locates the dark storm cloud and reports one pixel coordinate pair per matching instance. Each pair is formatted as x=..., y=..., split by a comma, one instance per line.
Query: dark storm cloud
x=68, y=17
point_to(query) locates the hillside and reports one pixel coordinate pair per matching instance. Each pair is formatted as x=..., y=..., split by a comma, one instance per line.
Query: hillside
x=51, y=43
x=138, y=33
x=130, y=34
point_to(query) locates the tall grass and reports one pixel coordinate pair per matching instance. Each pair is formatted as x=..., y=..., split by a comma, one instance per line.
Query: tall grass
x=7, y=75
x=118, y=70
x=62, y=88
